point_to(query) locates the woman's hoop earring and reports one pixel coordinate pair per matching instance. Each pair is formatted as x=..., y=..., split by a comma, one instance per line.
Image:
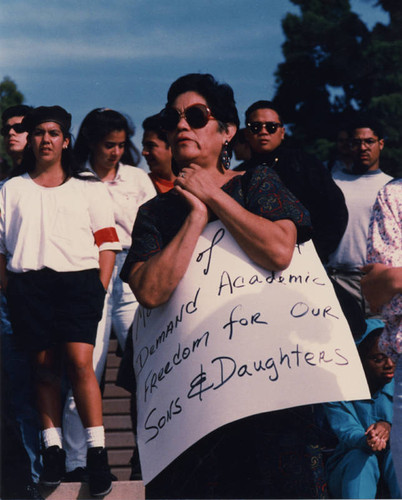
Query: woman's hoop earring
x=225, y=155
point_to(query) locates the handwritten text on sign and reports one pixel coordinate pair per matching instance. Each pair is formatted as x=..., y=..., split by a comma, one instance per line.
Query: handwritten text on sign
x=236, y=340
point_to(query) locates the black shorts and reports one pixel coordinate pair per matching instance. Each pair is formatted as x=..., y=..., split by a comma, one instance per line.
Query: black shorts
x=48, y=308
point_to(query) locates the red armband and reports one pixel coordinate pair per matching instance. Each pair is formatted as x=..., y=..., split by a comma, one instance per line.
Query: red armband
x=106, y=235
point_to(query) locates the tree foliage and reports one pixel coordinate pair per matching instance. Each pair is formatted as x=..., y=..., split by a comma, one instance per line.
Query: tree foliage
x=335, y=67
x=9, y=96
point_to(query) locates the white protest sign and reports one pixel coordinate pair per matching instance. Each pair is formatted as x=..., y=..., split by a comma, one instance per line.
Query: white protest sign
x=236, y=340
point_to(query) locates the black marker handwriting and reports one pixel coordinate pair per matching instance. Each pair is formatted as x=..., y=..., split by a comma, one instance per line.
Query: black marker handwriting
x=215, y=240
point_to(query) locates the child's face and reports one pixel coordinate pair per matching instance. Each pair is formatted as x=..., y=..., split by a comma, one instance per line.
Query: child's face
x=379, y=368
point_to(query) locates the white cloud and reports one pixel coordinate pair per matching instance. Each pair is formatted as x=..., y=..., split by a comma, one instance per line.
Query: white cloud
x=159, y=43
x=54, y=14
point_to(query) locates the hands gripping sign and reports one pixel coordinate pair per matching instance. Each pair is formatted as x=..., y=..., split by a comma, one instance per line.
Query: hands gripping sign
x=236, y=340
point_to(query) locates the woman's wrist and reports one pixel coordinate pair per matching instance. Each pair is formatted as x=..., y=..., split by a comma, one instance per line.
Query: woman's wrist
x=198, y=217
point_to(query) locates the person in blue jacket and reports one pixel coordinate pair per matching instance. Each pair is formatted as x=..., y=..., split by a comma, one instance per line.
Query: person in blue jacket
x=363, y=428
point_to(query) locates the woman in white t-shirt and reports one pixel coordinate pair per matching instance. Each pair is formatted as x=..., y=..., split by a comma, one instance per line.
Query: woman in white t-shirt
x=57, y=251
x=103, y=147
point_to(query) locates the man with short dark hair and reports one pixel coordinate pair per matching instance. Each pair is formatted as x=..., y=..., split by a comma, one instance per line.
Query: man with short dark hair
x=241, y=147
x=360, y=186
x=304, y=175
x=158, y=155
x=15, y=138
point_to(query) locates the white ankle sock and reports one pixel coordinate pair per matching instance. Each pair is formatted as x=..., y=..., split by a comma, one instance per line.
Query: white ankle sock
x=95, y=436
x=52, y=436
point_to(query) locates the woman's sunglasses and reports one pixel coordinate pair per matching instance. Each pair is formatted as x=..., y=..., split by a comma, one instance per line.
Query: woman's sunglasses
x=18, y=127
x=270, y=127
x=196, y=115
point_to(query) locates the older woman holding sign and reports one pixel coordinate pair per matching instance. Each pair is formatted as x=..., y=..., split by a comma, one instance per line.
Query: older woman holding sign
x=264, y=218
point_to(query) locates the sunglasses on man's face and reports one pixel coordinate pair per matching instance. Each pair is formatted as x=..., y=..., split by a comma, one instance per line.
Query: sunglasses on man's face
x=18, y=127
x=270, y=127
x=196, y=115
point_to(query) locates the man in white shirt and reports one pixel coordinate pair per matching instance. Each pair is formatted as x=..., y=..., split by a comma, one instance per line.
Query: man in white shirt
x=360, y=186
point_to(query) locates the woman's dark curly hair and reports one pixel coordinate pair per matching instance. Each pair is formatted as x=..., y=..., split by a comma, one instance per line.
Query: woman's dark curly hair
x=219, y=96
x=98, y=124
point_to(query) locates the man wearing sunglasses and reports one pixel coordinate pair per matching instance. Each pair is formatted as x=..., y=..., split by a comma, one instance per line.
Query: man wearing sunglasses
x=15, y=138
x=24, y=469
x=360, y=186
x=305, y=176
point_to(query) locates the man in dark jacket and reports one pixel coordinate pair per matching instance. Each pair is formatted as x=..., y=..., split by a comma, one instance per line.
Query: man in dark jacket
x=304, y=175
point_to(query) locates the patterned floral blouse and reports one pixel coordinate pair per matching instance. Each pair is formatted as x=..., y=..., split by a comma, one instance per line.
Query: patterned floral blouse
x=385, y=246
x=259, y=190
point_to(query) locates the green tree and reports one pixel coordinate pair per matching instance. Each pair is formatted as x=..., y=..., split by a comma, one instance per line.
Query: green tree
x=334, y=67
x=380, y=89
x=9, y=94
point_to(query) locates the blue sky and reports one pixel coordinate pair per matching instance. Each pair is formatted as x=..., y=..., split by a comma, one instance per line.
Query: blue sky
x=124, y=54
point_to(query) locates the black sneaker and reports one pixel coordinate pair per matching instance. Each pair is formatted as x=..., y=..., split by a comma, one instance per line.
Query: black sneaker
x=32, y=492
x=100, y=477
x=54, y=466
x=26, y=491
x=78, y=475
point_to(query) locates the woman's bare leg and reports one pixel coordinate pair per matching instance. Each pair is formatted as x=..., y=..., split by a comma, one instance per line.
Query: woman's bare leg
x=85, y=387
x=48, y=386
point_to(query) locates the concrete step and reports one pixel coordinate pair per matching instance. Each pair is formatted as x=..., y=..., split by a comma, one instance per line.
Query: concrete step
x=111, y=374
x=117, y=422
x=122, y=490
x=113, y=343
x=112, y=391
x=112, y=361
x=120, y=457
x=122, y=473
x=120, y=439
x=119, y=406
